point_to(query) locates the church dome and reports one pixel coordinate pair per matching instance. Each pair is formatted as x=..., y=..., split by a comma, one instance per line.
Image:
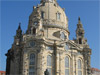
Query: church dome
x=52, y=14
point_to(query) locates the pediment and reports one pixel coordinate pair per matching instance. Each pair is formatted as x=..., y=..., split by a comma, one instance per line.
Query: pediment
x=73, y=45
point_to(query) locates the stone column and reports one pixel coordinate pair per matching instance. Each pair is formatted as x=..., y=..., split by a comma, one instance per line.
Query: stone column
x=39, y=63
x=88, y=65
x=86, y=55
x=55, y=59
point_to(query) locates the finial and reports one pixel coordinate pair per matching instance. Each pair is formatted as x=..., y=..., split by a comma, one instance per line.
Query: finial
x=34, y=7
x=79, y=20
x=19, y=23
x=19, y=26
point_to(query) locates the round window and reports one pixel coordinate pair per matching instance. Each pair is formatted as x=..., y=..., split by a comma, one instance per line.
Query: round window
x=32, y=43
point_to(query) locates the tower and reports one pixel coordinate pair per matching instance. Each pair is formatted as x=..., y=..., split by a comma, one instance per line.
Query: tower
x=80, y=39
x=82, y=42
x=45, y=48
x=14, y=55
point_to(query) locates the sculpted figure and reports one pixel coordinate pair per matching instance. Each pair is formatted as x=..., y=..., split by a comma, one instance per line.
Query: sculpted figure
x=46, y=72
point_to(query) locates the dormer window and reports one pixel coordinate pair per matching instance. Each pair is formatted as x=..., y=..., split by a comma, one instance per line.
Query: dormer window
x=42, y=15
x=58, y=15
x=49, y=48
x=66, y=47
x=62, y=36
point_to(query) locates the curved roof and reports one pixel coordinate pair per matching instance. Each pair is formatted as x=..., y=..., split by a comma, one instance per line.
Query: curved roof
x=54, y=15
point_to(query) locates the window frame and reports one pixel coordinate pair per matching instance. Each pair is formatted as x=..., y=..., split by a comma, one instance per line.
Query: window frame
x=42, y=14
x=32, y=65
x=32, y=43
x=62, y=35
x=66, y=46
x=79, y=69
x=49, y=66
x=58, y=16
x=67, y=68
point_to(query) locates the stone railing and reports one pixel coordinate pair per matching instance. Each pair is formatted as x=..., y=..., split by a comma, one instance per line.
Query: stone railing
x=54, y=23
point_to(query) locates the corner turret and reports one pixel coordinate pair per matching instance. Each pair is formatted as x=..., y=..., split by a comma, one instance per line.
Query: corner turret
x=18, y=36
x=80, y=33
x=19, y=31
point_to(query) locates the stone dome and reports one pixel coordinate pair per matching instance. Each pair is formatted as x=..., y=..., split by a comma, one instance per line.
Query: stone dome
x=52, y=14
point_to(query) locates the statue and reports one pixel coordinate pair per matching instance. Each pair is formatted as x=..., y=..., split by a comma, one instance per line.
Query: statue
x=46, y=72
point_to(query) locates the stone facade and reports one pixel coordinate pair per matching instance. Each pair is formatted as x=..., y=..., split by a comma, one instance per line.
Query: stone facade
x=45, y=48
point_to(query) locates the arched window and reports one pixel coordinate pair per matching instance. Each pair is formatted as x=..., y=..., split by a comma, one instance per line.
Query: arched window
x=67, y=64
x=34, y=30
x=32, y=64
x=79, y=67
x=49, y=64
x=80, y=41
x=48, y=60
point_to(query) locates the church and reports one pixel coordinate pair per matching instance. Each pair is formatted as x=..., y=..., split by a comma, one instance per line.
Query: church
x=45, y=47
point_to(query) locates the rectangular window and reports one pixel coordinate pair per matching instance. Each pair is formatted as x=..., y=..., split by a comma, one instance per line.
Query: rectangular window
x=32, y=64
x=42, y=15
x=79, y=72
x=49, y=60
x=66, y=71
x=31, y=70
x=58, y=16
